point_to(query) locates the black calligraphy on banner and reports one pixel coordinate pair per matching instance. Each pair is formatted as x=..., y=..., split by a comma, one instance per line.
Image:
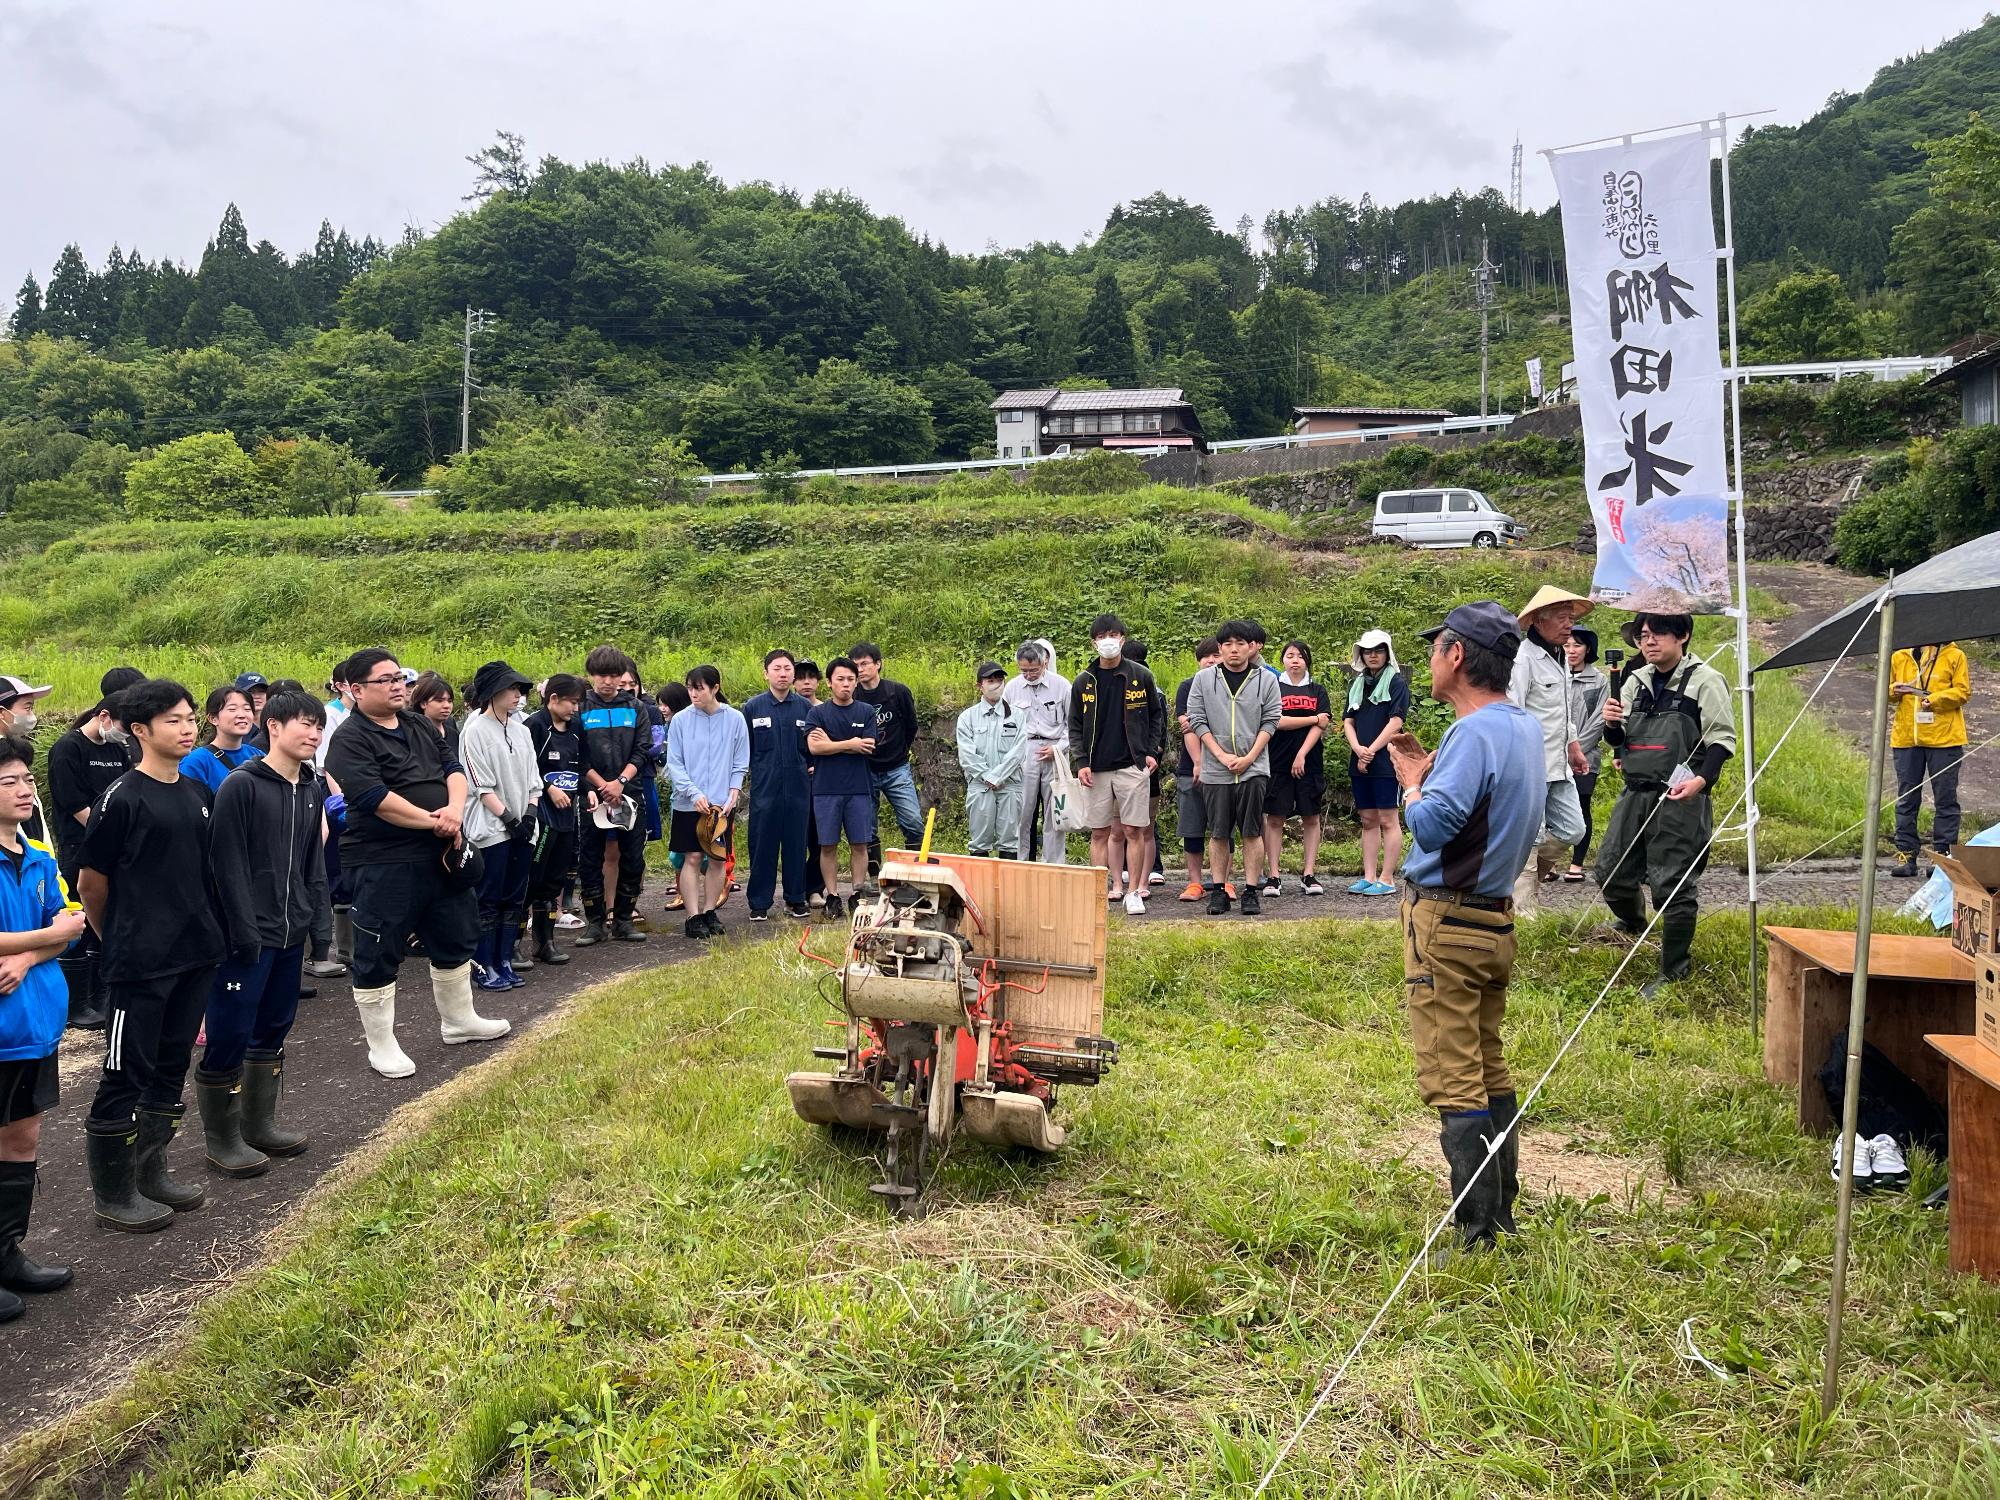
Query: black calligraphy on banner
x=1635, y=295
x=1648, y=469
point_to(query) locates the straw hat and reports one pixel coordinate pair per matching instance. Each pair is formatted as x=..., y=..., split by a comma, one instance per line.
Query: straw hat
x=1548, y=595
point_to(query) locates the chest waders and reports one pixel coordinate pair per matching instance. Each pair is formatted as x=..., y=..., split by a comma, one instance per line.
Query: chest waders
x=1652, y=841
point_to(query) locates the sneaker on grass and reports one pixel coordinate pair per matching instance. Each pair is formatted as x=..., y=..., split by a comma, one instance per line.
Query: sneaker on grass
x=1135, y=905
x=1885, y=1159
x=1864, y=1163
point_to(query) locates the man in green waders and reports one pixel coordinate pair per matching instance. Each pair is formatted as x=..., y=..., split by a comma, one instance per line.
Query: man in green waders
x=1671, y=727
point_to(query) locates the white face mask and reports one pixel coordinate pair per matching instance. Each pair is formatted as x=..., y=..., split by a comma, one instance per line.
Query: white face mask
x=117, y=735
x=1107, y=645
x=990, y=689
x=25, y=721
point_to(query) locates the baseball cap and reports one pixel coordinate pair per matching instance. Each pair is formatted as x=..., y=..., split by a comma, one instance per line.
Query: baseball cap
x=248, y=680
x=989, y=670
x=14, y=689
x=1487, y=623
x=620, y=815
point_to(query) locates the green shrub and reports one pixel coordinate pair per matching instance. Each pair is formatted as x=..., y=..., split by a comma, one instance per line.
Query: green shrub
x=1888, y=528
x=1102, y=471
x=204, y=474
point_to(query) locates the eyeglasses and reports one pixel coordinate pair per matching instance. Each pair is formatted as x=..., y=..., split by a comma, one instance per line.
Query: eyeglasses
x=378, y=681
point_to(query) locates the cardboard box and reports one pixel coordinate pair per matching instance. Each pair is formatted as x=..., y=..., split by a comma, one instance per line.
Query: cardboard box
x=1974, y=872
x=1986, y=1001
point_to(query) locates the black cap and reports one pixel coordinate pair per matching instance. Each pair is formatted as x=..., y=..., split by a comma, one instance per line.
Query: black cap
x=496, y=677
x=248, y=680
x=1487, y=623
x=988, y=670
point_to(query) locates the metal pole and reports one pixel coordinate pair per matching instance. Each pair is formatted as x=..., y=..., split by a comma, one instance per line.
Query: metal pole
x=1857, y=1005
x=465, y=390
x=1745, y=684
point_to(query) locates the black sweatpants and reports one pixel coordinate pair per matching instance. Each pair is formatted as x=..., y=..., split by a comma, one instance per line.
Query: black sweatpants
x=590, y=869
x=555, y=863
x=148, y=1042
x=394, y=901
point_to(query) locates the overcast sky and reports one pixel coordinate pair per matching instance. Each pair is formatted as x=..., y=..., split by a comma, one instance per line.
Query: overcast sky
x=136, y=123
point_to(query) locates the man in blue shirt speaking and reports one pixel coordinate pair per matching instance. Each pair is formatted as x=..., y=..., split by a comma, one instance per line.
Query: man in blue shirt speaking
x=1475, y=809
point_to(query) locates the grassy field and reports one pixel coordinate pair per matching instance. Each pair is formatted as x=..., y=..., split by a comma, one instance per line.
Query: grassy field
x=938, y=579
x=613, y=1263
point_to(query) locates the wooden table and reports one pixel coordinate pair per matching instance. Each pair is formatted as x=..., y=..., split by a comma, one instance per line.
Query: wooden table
x=1916, y=985
x=1975, y=1153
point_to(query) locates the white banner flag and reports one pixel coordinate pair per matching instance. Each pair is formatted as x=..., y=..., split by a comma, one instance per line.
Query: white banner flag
x=1639, y=233
x=1535, y=377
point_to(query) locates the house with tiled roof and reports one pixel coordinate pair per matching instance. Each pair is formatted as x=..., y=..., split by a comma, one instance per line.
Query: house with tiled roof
x=1035, y=423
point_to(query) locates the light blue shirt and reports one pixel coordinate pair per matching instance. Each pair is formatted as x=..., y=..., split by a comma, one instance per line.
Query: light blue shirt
x=209, y=765
x=707, y=754
x=1483, y=803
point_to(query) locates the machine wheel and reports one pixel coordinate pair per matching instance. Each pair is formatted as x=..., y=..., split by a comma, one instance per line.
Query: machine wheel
x=909, y=1142
x=1485, y=539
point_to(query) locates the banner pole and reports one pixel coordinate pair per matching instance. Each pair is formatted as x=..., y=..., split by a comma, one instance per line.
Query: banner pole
x=1745, y=687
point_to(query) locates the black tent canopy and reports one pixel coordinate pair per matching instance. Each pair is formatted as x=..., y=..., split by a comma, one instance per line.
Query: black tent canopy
x=1953, y=597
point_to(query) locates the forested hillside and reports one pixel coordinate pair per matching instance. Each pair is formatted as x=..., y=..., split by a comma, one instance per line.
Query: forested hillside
x=652, y=321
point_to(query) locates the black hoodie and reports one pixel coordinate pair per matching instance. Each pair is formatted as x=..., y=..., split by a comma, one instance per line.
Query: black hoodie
x=268, y=857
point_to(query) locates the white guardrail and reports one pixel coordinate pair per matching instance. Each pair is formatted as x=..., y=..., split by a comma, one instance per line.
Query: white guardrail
x=1880, y=370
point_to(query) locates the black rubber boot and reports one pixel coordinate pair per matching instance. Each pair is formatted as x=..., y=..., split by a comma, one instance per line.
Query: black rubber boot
x=1463, y=1141
x=156, y=1133
x=86, y=994
x=220, y=1096
x=1505, y=1109
x=623, y=931
x=1676, y=947
x=19, y=1273
x=112, y=1152
x=263, y=1087
x=546, y=951
x=593, y=925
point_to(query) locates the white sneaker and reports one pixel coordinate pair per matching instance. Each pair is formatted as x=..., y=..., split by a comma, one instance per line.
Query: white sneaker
x=1864, y=1163
x=1135, y=905
x=1886, y=1157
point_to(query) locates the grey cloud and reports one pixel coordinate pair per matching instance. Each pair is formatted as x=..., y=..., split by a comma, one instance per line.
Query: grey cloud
x=1429, y=28
x=1046, y=113
x=966, y=171
x=1350, y=112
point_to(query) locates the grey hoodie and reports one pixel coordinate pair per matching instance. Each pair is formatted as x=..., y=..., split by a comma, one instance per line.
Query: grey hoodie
x=1234, y=721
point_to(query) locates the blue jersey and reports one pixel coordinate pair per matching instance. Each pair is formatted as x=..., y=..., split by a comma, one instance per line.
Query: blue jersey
x=209, y=765
x=33, y=1017
x=1480, y=816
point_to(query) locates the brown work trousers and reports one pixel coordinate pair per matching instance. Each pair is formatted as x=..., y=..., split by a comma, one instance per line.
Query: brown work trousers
x=1457, y=961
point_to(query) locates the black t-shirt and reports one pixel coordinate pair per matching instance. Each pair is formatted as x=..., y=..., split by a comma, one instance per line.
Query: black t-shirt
x=1237, y=679
x=149, y=839
x=559, y=762
x=80, y=771
x=895, y=723
x=1296, y=702
x=1112, y=751
x=1371, y=718
x=368, y=760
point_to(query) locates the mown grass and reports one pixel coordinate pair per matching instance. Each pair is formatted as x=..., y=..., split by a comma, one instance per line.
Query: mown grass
x=939, y=581
x=618, y=1265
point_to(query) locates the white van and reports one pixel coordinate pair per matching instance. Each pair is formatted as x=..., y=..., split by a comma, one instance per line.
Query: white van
x=1445, y=518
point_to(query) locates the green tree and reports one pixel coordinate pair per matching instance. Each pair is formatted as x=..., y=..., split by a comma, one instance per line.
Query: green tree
x=27, y=317
x=312, y=477
x=1104, y=346
x=203, y=475
x=541, y=467
x=1806, y=316
x=961, y=409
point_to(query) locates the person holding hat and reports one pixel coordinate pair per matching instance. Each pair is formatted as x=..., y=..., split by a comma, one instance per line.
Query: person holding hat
x=708, y=755
x=1475, y=808
x=1672, y=726
x=992, y=740
x=501, y=817
x=403, y=857
x=1540, y=684
x=1378, y=705
x=1587, y=688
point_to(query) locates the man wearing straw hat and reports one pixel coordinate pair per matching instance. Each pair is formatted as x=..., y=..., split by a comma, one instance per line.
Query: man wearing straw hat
x=1540, y=685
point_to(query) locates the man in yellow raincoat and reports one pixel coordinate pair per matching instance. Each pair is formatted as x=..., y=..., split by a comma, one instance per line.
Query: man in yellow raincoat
x=1929, y=688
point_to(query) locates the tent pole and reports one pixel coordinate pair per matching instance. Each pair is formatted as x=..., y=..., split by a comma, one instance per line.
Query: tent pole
x=1857, y=1005
x=1745, y=685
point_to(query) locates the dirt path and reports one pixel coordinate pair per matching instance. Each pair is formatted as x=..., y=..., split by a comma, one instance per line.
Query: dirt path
x=1816, y=592
x=133, y=1293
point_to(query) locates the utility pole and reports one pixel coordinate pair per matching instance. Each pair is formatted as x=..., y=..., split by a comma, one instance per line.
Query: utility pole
x=1514, y=183
x=1482, y=290
x=477, y=320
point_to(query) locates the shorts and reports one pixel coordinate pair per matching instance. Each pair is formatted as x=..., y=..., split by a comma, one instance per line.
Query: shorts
x=28, y=1087
x=1375, y=792
x=1292, y=796
x=683, y=836
x=853, y=814
x=1191, y=813
x=1235, y=807
x=1115, y=797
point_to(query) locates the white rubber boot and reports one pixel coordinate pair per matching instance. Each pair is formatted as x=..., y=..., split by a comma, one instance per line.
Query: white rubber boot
x=457, y=1020
x=378, y=1024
